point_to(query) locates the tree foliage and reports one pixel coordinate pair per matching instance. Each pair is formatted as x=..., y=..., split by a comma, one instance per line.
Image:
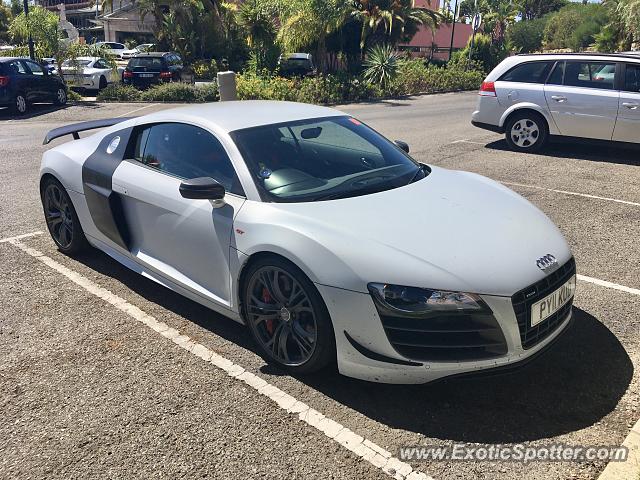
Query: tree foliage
x=575, y=26
x=527, y=36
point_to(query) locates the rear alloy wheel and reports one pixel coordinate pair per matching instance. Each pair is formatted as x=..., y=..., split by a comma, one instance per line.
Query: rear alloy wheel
x=61, y=96
x=526, y=132
x=287, y=317
x=20, y=104
x=62, y=220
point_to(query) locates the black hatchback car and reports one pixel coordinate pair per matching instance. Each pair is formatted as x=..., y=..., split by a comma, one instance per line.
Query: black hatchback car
x=23, y=81
x=146, y=69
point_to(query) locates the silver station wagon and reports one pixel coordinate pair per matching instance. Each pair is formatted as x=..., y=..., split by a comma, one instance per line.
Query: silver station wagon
x=532, y=97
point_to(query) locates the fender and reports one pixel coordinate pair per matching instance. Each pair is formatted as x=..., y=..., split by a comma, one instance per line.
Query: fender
x=553, y=129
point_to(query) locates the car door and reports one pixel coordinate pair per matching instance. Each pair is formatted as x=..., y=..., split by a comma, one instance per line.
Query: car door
x=583, y=99
x=524, y=83
x=25, y=82
x=628, y=124
x=41, y=84
x=185, y=240
x=100, y=64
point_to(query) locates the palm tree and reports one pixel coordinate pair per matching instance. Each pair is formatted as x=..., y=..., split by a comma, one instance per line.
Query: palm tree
x=309, y=22
x=393, y=18
x=257, y=20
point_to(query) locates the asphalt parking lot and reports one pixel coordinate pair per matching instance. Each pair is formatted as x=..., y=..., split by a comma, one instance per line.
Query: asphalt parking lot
x=89, y=390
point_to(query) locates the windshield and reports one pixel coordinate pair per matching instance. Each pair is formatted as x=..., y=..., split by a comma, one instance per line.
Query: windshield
x=323, y=159
x=76, y=63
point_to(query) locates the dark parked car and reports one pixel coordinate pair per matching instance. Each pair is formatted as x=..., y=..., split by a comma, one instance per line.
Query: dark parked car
x=146, y=69
x=296, y=65
x=23, y=81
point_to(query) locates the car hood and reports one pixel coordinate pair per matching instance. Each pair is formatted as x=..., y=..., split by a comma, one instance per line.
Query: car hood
x=452, y=230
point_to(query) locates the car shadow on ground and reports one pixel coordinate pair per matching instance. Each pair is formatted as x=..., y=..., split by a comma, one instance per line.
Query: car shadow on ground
x=624, y=154
x=39, y=109
x=573, y=385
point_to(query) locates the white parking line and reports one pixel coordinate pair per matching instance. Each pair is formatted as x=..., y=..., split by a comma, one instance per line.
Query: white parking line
x=604, y=283
x=468, y=141
x=608, y=199
x=19, y=237
x=369, y=451
x=136, y=110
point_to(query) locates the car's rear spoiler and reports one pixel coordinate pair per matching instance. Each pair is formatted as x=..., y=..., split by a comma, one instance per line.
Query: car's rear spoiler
x=75, y=128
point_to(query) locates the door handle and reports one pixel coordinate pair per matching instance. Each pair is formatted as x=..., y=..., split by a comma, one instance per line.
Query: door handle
x=559, y=98
x=631, y=105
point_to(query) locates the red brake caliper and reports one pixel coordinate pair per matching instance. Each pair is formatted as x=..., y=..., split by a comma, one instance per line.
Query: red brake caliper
x=266, y=298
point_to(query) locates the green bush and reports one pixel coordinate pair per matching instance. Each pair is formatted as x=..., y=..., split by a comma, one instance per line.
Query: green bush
x=416, y=77
x=526, y=36
x=205, y=69
x=171, y=92
x=166, y=92
x=117, y=92
x=73, y=96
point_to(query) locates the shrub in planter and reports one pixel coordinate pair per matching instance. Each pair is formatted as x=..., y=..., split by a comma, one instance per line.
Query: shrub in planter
x=118, y=92
x=179, y=92
x=254, y=87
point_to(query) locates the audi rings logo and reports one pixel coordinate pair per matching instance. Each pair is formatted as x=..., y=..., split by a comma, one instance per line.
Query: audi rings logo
x=547, y=263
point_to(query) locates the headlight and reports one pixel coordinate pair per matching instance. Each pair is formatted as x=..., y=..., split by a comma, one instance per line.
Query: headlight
x=420, y=301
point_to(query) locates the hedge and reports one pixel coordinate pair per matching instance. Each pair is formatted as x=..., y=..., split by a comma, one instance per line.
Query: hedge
x=413, y=77
x=167, y=92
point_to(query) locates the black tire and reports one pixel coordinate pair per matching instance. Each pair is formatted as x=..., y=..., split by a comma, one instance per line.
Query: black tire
x=297, y=328
x=20, y=104
x=102, y=84
x=526, y=131
x=61, y=217
x=60, y=97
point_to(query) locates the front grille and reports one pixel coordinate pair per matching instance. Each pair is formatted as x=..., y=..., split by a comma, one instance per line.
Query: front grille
x=446, y=337
x=522, y=301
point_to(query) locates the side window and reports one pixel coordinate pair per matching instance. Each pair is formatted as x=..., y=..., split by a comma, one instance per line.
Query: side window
x=35, y=68
x=632, y=78
x=557, y=76
x=100, y=64
x=186, y=151
x=590, y=75
x=17, y=68
x=530, y=72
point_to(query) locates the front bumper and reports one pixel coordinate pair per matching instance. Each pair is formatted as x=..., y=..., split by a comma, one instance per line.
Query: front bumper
x=365, y=352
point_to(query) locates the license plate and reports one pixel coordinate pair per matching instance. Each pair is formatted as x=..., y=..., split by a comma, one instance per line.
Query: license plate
x=543, y=309
x=146, y=75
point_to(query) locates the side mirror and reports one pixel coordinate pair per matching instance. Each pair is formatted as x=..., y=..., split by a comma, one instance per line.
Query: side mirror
x=203, y=188
x=403, y=145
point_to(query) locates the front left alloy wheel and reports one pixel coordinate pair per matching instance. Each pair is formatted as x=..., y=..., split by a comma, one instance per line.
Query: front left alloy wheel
x=61, y=217
x=287, y=316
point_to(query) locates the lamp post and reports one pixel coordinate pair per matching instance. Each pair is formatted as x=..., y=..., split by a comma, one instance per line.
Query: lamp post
x=25, y=5
x=453, y=29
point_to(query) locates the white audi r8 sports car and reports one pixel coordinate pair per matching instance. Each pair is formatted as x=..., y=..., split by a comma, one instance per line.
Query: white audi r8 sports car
x=326, y=239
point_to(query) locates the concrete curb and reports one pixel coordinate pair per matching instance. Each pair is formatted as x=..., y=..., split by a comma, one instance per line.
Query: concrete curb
x=629, y=469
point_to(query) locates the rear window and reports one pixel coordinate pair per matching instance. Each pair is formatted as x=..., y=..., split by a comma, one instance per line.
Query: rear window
x=530, y=72
x=146, y=62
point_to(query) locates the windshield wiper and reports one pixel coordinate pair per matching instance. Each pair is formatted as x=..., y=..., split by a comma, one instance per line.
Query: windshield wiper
x=352, y=193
